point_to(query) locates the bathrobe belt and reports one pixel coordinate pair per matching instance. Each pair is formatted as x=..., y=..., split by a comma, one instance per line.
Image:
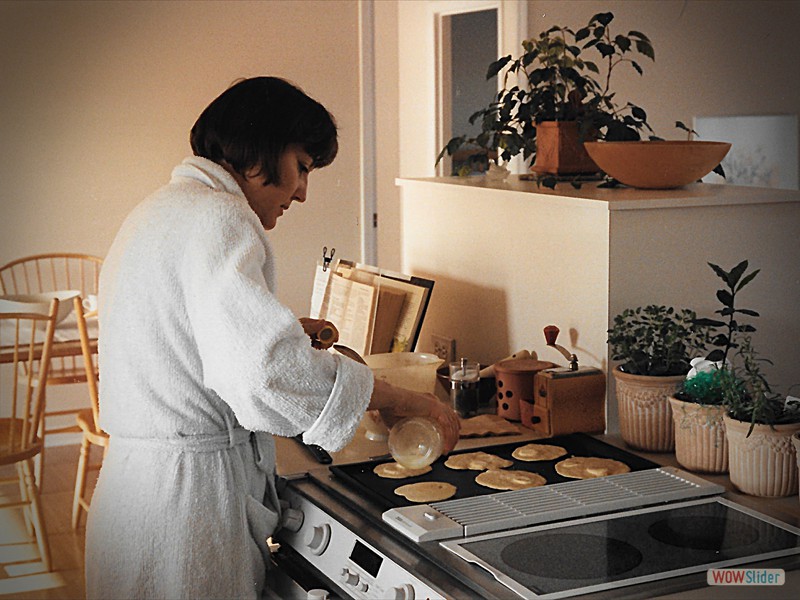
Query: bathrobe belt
x=197, y=442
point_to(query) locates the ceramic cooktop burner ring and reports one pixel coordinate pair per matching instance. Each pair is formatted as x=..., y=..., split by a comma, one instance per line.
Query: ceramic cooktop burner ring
x=554, y=555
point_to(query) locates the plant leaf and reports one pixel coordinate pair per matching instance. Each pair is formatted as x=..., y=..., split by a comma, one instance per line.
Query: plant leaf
x=747, y=279
x=605, y=50
x=604, y=18
x=497, y=66
x=736, y=273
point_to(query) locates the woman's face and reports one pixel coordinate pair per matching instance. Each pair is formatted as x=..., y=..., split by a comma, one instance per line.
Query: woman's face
x=269, y=201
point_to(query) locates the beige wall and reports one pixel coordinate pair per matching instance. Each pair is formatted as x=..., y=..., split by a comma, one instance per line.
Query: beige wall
x=98, y=99
x=713, y=57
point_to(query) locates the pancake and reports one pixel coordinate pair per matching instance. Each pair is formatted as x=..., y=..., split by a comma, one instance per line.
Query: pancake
x=534, y=452
x=500, y=479
x=485, y=425
x=393, y=470
x=477, y=461
x=588, y=467
x=426, y=491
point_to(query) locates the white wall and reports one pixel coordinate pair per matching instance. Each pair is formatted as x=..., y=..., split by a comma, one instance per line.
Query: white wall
x=98, y=99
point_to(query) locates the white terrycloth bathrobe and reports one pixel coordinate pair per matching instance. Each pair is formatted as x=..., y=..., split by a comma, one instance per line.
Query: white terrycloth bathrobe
x=195, y=354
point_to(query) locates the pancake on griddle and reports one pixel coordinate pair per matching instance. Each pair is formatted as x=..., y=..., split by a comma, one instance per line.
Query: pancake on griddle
x=588, y=467
x=477, y=461
x=394, y=470
x=426, y=491
x=503, y=479
x=535, y=452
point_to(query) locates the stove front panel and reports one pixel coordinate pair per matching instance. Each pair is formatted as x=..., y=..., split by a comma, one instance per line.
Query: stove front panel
x=611, y=551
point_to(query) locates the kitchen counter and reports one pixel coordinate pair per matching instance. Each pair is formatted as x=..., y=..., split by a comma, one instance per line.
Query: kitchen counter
x=510, y=258
x=293, y=459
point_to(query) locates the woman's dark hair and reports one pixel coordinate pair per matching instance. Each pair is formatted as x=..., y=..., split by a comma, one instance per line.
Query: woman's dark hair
x=252, y=122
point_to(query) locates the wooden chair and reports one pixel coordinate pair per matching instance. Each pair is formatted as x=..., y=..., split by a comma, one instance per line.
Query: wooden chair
x=88, y=419
x=49, y=273
x=25, y=338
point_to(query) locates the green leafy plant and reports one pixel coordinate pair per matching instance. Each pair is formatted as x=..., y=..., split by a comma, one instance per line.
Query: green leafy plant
x=656, y=340
x=748, y=394
x=713, y=375
x=553, y=80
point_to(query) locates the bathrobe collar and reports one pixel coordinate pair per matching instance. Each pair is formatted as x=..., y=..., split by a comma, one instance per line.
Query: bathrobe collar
x=209, y=173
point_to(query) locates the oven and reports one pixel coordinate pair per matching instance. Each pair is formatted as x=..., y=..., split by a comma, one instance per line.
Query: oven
x=648, y=532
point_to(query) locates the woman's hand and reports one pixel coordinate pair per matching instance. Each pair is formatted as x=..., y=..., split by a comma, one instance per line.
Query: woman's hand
x=323, y=333
x=395, y=403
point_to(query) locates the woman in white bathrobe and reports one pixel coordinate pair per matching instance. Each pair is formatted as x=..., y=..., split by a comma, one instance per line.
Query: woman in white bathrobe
x=201, y=364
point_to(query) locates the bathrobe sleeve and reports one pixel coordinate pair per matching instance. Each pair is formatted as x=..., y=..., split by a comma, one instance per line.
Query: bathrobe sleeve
x=254, y=352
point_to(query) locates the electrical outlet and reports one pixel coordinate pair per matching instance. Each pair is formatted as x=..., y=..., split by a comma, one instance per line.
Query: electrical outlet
x=444, y=347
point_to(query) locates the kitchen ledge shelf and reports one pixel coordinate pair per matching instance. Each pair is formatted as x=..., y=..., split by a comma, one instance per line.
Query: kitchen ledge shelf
x=613, y=199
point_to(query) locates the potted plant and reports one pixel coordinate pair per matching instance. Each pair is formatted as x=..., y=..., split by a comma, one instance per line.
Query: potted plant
x=698, y=407
x=655, y=344
x=759, y=425
x=554, y=97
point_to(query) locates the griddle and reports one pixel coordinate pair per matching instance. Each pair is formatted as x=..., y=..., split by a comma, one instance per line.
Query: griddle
x=361, y=478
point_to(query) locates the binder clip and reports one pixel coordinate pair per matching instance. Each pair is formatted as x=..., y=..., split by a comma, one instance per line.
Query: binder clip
x=326, y=260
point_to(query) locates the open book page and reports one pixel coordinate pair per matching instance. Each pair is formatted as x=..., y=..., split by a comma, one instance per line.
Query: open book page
x=410, y=315
x=387, y=315
x=351, y=308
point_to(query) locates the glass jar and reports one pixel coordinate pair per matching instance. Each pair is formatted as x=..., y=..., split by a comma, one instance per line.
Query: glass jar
x=416, y=442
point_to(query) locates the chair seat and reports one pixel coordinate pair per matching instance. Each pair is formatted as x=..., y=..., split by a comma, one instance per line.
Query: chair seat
x=85, y=421
x=16, y=454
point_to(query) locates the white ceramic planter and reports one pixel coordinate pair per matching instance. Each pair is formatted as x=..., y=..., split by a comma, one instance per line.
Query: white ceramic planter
x=645, y=416
x=700, y=442
x=764, y=464
x=796, y=442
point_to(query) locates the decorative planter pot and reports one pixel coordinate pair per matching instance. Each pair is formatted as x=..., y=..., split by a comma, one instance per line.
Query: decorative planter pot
x=560, y=151
x=796, y=442
x=700, y=442
x=764, y=464
x=645, y=416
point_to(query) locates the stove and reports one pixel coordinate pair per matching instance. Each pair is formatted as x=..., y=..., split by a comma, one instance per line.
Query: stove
x=639, y=534
x=623, y=549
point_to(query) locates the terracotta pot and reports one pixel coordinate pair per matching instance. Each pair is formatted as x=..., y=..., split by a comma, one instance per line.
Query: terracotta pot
x=700, y=442
x=764, y=464
x=560, y=151
x=645, y=416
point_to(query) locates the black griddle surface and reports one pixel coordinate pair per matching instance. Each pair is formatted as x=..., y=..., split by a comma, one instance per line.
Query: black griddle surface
x=361, y=478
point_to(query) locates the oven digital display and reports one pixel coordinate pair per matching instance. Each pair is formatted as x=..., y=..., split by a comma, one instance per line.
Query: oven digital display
x=366, y=559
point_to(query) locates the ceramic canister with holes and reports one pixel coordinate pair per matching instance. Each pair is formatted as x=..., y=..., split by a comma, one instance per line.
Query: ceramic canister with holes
x=515, y=383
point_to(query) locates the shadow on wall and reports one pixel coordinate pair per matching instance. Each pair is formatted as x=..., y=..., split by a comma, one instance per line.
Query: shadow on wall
x=475, y=316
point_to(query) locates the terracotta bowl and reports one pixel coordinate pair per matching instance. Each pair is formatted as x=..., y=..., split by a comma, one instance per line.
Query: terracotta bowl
x=657, y=164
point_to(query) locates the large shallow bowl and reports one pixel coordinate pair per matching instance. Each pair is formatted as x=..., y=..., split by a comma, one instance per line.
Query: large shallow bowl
x=39, y=303
x=657, y=164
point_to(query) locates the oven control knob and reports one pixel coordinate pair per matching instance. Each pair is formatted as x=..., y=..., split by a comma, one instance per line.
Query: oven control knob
x=403, y=592
x=317, y=538
x=349, y=577
x=292, y=519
